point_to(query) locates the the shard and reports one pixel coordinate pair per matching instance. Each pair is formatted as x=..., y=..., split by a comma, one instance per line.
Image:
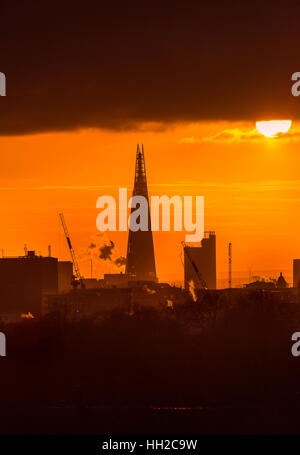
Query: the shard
x=140, y=249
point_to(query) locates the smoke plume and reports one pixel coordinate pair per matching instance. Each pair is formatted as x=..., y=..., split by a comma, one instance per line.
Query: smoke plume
x=106, y=251
x=192, y=290
x=120, y=261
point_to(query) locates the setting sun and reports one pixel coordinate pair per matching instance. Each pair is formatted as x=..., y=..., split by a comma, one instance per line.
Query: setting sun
x=273, y=128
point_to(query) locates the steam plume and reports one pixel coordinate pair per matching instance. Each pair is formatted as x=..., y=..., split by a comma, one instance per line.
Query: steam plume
x=106, y=251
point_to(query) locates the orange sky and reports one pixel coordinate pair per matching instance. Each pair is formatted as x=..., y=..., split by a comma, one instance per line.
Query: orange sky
x=251, y=187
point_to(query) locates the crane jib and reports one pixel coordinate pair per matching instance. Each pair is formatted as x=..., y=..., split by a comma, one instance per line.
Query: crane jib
x=195, y=267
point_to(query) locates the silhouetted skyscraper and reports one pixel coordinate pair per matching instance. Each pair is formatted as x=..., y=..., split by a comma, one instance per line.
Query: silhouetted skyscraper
x=24, y=279
x=140, y=249
x=204, y=259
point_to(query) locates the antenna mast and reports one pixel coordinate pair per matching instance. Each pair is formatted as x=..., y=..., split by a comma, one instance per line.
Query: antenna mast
x=229, y=265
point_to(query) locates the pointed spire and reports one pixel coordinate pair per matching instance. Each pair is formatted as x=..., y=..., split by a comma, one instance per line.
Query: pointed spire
x=140, y=249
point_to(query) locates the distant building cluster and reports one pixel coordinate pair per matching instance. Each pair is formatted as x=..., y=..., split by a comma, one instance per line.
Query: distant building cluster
x=31, y=282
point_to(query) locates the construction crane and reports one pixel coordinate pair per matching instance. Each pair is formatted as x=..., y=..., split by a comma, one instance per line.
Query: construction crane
x=77, y=273
x=198, y=274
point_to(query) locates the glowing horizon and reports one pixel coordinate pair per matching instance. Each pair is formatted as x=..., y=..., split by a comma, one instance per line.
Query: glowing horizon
x=248, y=189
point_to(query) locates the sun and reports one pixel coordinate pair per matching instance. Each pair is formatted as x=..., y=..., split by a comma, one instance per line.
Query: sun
x=273, y=128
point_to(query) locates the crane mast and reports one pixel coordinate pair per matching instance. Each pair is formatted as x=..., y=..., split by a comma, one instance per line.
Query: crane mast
x=72, y=252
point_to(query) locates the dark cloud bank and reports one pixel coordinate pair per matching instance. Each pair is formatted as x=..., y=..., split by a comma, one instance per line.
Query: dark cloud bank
x=73, y=64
